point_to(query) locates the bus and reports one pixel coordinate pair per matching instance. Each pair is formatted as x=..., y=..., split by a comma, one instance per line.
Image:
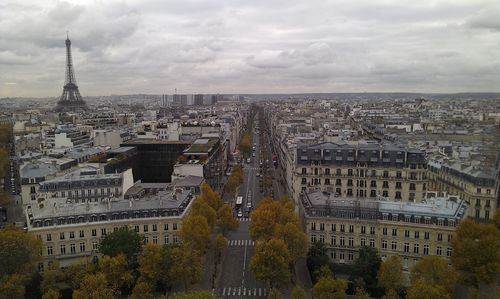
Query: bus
x=239, y=202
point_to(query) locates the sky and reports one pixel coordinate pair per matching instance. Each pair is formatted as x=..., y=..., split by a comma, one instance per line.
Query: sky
x=250, y=46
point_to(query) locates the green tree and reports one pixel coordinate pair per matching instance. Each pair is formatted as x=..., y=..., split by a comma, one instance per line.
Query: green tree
x=296, y=241
x=360, y=293
x=13, y=286
x=390, y=274
x=142, y=290
x=220, y=245
x=496, y=218
x=202, y=208
x=366, y=266
x=433, y=272
x=52, y=294
x=123, y=241
x=270, y=262
x=323, y=272
x=156, y=264
x=316, y=258
x=245, y=145
x=476, y=252
x=422, y=290
x=226, y=220
x=211, y=197
x=330, y=288
x=94, y=286
x=391, y=294
x=196, y=233
x=19, y=252
x=298, y=293
x=116, y=271
x=274, y=294
x=188, y=268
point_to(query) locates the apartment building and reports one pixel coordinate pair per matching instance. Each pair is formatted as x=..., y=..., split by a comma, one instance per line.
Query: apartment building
x=474, y=184
x=66, y=136
x=71, y=232
x=361, y=170
x=406, y=229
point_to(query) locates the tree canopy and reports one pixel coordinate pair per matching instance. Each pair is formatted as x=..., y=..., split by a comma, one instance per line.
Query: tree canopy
x=330, y=288
x=433, y=274
x=390, y=274
x=195, y=232
x=122, y=241
x=225, y=219
x=366, y=266
x=270, y=262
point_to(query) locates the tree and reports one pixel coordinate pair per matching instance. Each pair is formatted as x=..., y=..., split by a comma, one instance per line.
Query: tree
x=360, y=293
x=296, y=241
x=196, y=233
x=390, y=274
x=245, y=145
x=433, y=272
x=188, y=268
x=220, y=245
x=298, y=293
x=142, y=290
x=4, y=163
x=156, y=264
x=226, y=220
x=269, y=215
x=316, y=258
x=116, y=271
x=94, y=286
x=52, y=294
x=19, y=252
x=323, y=272
x=13, y=286
x=210, y=196
x=366, y=266
x=123, y=241
x=476, y=252
x=192, y=295
x=422, y=290
x=391, y=294
x=270, y=262
x=330, y=288
x=274, y=294
x=232, y=184
x=496, y=218
x=202, y=208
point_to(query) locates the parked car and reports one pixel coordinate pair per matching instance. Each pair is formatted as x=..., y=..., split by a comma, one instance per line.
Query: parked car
x=240, y=214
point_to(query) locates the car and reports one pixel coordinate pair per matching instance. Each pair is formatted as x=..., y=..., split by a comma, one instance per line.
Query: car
x=253, y=154
x=249, y=204
x=240, y=214
x=257, y=174
x=248, y=160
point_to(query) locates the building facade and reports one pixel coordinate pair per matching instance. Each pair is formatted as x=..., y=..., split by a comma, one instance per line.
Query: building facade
x=368, y=170
x=408, y=230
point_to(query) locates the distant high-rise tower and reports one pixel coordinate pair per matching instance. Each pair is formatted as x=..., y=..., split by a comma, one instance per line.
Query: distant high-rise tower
x=70, y=100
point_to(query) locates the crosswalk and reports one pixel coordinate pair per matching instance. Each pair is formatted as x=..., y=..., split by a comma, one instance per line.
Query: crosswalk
x=246, y=219
x=241, y=243
x=252, y=168
x=238, y=292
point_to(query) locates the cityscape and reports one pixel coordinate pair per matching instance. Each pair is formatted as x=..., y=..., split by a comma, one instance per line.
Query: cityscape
x=271, y=169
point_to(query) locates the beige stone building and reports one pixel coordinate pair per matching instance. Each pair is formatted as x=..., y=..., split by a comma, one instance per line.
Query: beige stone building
x=71, y=231
x=476, y=185
x=361, y=170
x=405, y=229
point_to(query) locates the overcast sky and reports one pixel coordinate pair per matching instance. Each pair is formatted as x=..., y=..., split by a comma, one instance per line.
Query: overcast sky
x=250, y=46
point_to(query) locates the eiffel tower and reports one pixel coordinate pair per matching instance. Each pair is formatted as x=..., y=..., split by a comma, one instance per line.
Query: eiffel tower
x=71, y=100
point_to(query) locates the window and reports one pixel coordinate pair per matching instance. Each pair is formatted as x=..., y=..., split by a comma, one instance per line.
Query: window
x=71, y=235
x=322, y=239
x=426, y=249
x=349, y=182
x=487, y=215
x=49, y=250
x=385, y=174
x=406, y=247
x=362, y=242
x=417, y=234
x=334, y=227
x=82, y=247
x=321, y=226
x=349, y=192
x=398, y=195
x=450, y=237
x=155, y=239
x=313, y=226
x=415, y=248
x=327, y=181
x=174, y=226
x=49, y=237
x=349, y=173
x=394, y=232
x=440, y=237
x=146, y=239
x=333, y=240
x=95, y=246
x=372, y=230
x=407, y=233
x=341, y=255
x=62, y=249
x=342, y=241
x=342, y=228
x=363, y=229
x=103, y=231
x=146, y=228
x=351, y=228
x=338, y=182
x=351, y=242
x=385, y=193
x=327, y=171
x=165, y=239
x=398, y=185
x=61, y=236
x=394, y=245
x=338, y=171
x=373, y=193
x=479, y=190
x=412, y=186
x=350, y=256
x=136, y=228
x=155, y=227
x=372, y=243
x=165, y=226
x=448, y=251
x=94, y=232
x=304, y=170
x=385, y=184
x=313, y=238
x=303, y=181
x=439, y=250
x=398, y=174
x=373, y=184
x=384, y=244
x=384, y=231
x=82, y=234
x=426, y=235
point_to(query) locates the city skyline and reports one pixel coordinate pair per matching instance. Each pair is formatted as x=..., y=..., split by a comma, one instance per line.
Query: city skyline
x=202, y=47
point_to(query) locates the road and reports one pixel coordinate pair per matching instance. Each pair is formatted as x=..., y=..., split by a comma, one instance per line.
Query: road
x=236, y=280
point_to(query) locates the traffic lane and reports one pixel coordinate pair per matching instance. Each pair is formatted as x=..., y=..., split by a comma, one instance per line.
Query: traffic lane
x=232, y=267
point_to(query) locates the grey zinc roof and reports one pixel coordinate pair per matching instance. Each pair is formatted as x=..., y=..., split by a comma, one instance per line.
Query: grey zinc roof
x=38, y=170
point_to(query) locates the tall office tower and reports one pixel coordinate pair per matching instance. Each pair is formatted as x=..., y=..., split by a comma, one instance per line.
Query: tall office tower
x=198, y=99
x=70, y=100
